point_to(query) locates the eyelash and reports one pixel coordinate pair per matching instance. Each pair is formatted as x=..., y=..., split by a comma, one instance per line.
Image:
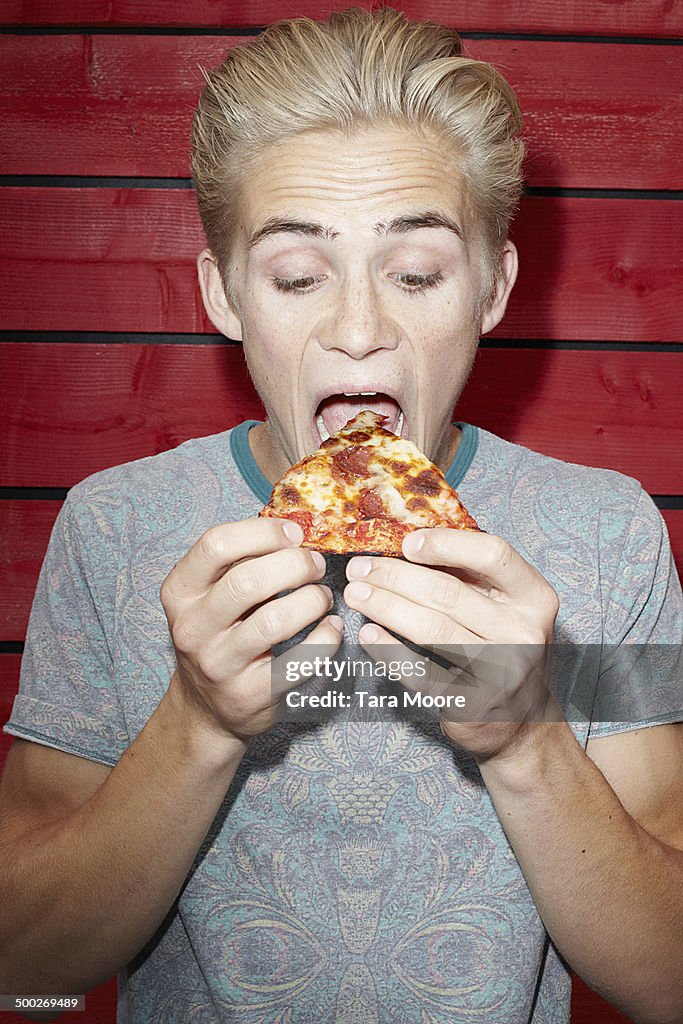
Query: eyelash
x=424, y=281
x=306, y=284
x=295, y=284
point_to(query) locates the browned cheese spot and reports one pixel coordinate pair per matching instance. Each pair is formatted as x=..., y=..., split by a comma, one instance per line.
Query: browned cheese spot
x=417, y=504
x=427, y=482
x=290, y=495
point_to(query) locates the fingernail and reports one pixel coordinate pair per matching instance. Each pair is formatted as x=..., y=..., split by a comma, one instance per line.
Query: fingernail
x=293, y=532
x=330, y=595
x=319, y=560
x=368, y=634
x=358, y=567
x=358, y=591
x=413, y=543
x=337, y=622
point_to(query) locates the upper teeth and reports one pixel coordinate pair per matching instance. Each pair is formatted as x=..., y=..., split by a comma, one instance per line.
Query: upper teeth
x=354, y=394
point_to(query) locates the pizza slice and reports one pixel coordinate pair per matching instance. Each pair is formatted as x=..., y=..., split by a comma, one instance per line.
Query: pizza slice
x=364, y=490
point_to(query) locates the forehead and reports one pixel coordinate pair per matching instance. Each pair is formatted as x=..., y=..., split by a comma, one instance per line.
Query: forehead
x=356, y=181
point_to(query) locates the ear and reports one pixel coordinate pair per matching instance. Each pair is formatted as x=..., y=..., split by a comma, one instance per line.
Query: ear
x=493, y=313
x=219, y=308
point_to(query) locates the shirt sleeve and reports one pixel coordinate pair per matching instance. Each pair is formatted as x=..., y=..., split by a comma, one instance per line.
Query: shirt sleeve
x=67, y=695
x=641, y=680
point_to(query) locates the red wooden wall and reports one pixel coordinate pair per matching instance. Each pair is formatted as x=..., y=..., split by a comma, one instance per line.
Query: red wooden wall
x=106, y=354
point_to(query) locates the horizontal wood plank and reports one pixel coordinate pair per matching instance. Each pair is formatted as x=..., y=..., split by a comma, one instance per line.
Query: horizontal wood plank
x=674, y=524
x=636, y=17
x=124, y=260
x=114, y=403
x=9, y=684
x=596, y=115
x=25, y=530
x=618, y=410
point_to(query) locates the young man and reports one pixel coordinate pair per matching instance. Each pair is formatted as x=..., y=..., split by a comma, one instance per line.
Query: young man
x=356, y=179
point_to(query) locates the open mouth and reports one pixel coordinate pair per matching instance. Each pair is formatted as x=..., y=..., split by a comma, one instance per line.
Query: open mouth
x=335, y=411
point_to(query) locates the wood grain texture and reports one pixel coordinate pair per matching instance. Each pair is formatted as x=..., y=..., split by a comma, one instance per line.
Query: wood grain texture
x=618, y=410
x=25, y=528
x=114, y=403
x=674, y=524
x=9, y=684
x=124, y=260
x=596, y=115
x=81, y=408
x=628, y=17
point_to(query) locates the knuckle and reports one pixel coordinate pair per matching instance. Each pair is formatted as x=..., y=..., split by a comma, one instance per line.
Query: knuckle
x=498, y=554
x=445, y=594
x=183, y=635
x=323, y=597
x=439, y=540
x=387, y=574
x=306, y=563
x=553, y=601
x=437, y=630
x=166, y=595
x=212, y=544
x=269, y=620
x=243, y=583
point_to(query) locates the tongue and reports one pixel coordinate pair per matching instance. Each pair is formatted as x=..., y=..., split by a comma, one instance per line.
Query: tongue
x=337, y=410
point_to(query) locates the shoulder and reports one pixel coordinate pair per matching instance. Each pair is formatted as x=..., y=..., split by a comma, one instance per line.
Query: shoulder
x=594, y=534
x=177, y=465
x=190, y=483
x=545, y=504
x=152, y=510
x=529, y=477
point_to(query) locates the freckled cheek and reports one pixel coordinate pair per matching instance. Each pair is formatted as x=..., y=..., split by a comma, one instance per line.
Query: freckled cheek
x=272, y=351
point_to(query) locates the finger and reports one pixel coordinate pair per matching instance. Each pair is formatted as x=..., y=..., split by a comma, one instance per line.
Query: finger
x=221, y=546
x=421, y=625
x=418, y=673
x=251, y=583
x=325, y=639
x=278, y=620
x=485, y=555
x=438, y=591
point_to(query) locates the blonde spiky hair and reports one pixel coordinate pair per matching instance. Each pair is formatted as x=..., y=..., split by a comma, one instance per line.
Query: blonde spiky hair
x=356, y=70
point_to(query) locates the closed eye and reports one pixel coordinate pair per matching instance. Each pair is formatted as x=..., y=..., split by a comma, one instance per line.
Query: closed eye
x=417, y=282
x=296, y=284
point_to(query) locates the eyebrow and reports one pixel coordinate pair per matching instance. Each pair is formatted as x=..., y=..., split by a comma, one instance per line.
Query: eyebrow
x=415, y=221
x=275, y=226
x=397, y=226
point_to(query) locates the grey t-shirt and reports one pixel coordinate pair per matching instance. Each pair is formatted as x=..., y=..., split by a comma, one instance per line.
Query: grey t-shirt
x=356, y=872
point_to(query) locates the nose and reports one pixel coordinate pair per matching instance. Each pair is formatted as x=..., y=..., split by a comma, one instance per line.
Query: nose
x=358, y=322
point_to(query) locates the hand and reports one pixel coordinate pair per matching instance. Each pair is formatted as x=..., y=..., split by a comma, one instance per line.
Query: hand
x=224, y=618
x=472, y=590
